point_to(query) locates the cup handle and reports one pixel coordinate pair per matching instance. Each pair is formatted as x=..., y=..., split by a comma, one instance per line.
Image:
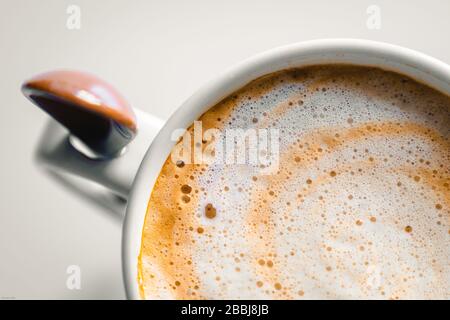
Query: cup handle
x=102, y=139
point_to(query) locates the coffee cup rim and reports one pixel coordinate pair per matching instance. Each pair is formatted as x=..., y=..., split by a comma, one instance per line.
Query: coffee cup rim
x=420, y=66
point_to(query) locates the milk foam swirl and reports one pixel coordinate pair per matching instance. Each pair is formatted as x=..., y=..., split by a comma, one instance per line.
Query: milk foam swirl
x=359, y=208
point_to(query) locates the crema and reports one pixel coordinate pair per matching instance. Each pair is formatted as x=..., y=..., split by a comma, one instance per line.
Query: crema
x=358, y=206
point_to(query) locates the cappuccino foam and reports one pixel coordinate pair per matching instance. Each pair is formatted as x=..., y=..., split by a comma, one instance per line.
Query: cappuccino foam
x=359, y=206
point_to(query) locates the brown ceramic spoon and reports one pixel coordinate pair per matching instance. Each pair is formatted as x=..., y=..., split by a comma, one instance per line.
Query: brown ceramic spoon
x=91, y=109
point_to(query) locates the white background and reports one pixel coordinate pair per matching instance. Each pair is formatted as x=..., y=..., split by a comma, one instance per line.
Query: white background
x=157, y=53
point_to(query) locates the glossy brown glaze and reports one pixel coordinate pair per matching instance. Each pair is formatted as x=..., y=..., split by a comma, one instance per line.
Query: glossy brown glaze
x=85, y=90
x=90, y=108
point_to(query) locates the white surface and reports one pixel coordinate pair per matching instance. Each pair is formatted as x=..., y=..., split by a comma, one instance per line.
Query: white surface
x=157, y=54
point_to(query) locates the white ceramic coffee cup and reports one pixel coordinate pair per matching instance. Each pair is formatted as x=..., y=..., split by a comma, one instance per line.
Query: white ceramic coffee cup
x=133, y=179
